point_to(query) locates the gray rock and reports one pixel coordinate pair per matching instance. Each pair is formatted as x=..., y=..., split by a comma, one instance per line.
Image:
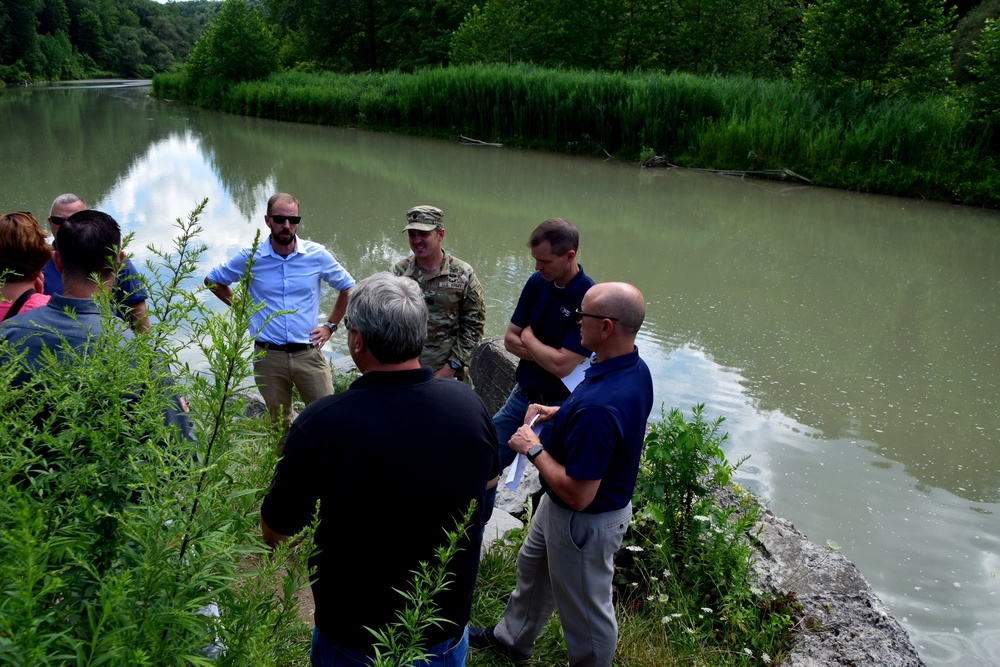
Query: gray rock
x=498, y=526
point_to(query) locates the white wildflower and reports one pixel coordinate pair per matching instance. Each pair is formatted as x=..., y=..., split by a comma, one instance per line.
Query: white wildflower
x=748, y=651
x=649, y=597
x=634, y=547
x=690, y=631
x=664, y=597
x=699, y=517
x=707, y=610
x=766, y=658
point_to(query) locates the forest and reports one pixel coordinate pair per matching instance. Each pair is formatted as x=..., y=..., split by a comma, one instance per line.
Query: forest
x=44, y=40
x=916, y=47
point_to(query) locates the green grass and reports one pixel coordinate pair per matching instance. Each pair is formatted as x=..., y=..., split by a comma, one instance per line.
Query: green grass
x=932, y=148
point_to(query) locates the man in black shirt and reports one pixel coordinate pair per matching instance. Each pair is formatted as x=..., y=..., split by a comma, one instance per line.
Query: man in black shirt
x=397, y=442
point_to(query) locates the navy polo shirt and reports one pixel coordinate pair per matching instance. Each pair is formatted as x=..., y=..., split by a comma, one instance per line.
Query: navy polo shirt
x=598, y=432
x=550, y=312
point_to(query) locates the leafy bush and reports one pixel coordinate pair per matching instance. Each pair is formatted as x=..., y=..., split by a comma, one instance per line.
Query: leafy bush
x=120, y=541
x=688, y=559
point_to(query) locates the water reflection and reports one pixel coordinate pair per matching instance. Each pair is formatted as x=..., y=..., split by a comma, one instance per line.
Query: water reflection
x=849, y=341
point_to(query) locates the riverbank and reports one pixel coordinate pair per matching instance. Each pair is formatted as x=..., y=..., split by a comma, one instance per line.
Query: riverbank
x=843, y=621
x=932, y=149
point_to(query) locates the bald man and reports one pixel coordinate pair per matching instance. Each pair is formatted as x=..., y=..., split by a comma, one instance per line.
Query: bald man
x=588, y=471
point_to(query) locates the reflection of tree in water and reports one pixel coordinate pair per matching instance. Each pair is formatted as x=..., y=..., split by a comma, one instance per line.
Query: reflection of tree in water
x=94, y=136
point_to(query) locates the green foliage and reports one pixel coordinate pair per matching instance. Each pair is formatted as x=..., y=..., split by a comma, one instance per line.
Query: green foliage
x=236, y=46
x=688, y=558
x=985, y=68
x=927, y=148
x=117, y=535
x=890, y=46
x=967, y=32
x=497, y=33
x=68, y=39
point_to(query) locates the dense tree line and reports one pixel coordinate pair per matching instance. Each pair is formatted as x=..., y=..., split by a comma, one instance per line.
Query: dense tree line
x=917, y=47
x=73, y=39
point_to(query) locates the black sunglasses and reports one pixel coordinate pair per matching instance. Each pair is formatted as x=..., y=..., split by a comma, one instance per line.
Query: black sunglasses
x=580, y=315
x=56, y=220
x=280, y=219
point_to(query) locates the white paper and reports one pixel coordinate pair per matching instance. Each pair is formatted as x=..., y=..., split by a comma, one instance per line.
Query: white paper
x=576, y=375
x=516, y=469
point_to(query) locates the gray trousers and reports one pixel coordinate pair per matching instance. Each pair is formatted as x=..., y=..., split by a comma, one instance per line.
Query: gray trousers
x=566, y=563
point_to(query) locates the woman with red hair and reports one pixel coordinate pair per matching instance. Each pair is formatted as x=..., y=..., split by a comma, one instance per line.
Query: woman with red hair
x=23, y=253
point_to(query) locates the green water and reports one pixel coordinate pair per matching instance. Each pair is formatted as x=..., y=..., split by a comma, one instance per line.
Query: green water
x=849, y=340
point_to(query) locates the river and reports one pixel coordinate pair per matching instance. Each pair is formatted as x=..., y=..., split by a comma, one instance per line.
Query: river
x=850, y=340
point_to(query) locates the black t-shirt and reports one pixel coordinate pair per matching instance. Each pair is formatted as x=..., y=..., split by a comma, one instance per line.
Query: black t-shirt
x=551, y=313
x=395, y=461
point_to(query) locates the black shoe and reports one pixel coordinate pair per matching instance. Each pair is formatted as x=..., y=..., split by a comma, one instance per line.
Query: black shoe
x=483, y=638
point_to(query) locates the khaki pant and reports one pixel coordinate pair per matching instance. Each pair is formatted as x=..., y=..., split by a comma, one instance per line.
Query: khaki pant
x=277, y=372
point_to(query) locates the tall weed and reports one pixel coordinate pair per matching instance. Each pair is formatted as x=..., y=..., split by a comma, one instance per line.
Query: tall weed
x=851, y=139
x=122, y=542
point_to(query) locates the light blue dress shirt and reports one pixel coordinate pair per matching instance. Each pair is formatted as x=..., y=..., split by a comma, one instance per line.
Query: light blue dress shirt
x=285, y=283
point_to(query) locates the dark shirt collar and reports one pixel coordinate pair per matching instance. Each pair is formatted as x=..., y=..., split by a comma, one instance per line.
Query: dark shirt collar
x=394, y=378
x=613, y=364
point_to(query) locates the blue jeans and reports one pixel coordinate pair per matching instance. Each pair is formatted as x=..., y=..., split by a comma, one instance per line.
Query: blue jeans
x=326, y=654
x=506, y=421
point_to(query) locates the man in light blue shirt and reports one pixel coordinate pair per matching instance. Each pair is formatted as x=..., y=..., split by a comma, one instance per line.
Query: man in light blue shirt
x=287, y=275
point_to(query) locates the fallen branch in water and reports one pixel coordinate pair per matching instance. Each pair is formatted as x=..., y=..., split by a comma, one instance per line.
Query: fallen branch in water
x=772, y=174
x=462, y=139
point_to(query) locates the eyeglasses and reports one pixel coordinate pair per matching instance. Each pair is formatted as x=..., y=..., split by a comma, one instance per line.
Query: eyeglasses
x=282, y=219
x=347, y=323
x=580, y=315
x=56, y=220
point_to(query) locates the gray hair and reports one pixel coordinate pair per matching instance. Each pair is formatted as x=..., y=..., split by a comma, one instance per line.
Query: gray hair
x=68, y=198
x=390, y=313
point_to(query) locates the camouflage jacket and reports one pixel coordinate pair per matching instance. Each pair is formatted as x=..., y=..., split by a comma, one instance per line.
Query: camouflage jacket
x=456, y=310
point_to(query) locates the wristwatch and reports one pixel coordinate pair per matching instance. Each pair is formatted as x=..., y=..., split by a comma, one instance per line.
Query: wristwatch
x=533, y=452
x=454, y=365
x=331, y=326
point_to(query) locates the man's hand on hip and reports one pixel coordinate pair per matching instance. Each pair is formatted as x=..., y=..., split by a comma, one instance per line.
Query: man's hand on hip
x=319, y=336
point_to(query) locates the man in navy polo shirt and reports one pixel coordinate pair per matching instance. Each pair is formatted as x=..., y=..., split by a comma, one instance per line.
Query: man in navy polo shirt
x=287, y=274
x=588, y=471
x=543, y=332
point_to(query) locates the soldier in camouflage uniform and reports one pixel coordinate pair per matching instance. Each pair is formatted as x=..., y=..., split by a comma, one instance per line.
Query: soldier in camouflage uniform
x=456, y=311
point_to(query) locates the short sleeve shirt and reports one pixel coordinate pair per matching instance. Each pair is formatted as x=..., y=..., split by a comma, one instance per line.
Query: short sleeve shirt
x=599, y=430
x=550, y=311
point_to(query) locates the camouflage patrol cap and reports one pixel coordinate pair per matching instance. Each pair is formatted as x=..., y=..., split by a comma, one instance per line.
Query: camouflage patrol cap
x=424, y=218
